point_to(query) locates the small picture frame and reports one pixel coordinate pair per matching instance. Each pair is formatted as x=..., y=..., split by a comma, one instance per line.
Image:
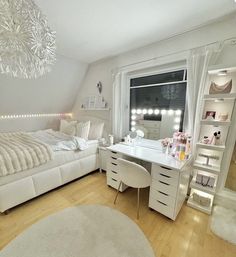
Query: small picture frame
x=210, y=115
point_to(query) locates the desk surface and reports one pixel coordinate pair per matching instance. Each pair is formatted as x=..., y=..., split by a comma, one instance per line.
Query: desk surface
x=153, y=155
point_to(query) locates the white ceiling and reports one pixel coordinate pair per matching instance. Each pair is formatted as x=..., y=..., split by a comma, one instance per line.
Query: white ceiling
x=89, y=30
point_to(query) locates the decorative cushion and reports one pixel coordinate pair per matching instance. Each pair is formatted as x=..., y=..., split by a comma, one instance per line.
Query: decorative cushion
x=68, y=127
x=96, y=130
x=82, y=129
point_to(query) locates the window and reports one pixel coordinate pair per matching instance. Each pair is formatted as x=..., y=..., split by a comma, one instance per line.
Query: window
x=157, y=103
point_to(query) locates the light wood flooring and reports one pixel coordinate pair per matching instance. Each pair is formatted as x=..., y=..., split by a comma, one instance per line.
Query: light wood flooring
x=188, y=236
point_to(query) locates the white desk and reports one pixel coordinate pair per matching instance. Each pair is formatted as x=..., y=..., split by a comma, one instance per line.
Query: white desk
x=170, y=177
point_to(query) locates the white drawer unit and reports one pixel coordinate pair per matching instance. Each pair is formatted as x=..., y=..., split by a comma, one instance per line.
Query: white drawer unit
x=102, y=158
x=170, y=177
x=113, y=170
x=166, y=192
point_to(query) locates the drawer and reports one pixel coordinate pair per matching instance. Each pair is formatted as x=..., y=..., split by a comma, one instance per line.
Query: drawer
x=113, y=174
x=112, y=166
x=162, y=197
x=115, y=184
x=166, y=179
x=154, y=131
x=113, y=160
x=163, y=187
x=115, y=154
x=154, y=136
x=156, y=170
x=161, y=207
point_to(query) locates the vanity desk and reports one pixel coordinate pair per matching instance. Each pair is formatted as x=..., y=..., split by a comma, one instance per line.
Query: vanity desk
x=170, y=177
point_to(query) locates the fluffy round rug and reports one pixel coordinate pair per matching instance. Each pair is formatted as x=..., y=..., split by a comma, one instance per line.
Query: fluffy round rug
x=223, y=223
x=82, y=231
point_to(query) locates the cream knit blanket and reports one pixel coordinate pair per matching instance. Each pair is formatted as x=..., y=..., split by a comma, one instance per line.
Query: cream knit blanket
x=19, y=151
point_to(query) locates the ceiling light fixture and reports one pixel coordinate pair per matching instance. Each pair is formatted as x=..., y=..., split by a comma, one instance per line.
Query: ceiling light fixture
x=27, y=44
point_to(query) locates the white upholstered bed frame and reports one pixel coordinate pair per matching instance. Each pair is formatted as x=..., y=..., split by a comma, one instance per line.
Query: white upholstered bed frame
x=24, y=189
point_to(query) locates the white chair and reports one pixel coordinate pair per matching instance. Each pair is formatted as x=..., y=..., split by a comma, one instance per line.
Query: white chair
x=133, y=175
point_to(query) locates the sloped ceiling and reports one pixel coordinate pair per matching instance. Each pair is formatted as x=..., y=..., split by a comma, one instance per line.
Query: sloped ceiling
x=89, y=30
x=54, y=92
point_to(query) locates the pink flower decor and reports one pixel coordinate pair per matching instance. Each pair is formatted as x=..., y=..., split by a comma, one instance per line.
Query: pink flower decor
x=165, y=142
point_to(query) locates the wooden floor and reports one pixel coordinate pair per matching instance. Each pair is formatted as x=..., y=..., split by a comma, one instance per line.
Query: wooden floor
x=188, y=236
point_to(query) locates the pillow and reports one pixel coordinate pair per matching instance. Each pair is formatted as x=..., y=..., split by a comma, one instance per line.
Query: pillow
x=82, y=129
x=68, y=127
x=96, y=130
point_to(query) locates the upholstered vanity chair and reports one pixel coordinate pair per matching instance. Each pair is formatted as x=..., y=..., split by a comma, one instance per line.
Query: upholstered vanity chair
x=133, y=175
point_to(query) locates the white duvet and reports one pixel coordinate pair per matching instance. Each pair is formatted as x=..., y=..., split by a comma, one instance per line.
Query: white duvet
x=59, y=141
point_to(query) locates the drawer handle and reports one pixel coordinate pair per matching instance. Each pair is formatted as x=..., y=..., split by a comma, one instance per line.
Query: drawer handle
x=114, y=163
x=161, y=202
x=114, y=152
x=164, y=175
x=114, y=171
x=165, y=168
x=164, y=183
x=163, y=193
x=114, y=179
x=114, y=158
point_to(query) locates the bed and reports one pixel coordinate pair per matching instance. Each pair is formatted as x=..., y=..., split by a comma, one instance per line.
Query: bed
x=66, y=166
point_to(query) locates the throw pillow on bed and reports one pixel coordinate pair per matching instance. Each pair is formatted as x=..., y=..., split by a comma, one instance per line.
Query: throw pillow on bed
x=82, y=129
x=96, y=130
x=68, y=127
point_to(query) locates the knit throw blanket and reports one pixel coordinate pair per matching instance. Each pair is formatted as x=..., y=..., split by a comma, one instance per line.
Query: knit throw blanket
x=19, y=151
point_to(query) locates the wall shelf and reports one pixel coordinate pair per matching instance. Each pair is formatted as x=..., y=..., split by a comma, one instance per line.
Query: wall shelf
x=215, y=122
x=94, y=109
x=210, y=169
x=211, y=147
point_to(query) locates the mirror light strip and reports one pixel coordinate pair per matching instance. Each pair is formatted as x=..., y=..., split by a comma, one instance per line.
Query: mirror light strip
x=39, y=115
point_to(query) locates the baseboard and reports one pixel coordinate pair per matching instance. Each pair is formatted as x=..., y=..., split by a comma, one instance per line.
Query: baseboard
x=226, y=199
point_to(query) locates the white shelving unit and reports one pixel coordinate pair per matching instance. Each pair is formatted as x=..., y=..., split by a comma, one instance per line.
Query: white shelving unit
x=225, y=102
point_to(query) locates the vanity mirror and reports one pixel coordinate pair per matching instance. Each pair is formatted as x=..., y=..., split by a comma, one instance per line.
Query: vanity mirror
x=157, y=103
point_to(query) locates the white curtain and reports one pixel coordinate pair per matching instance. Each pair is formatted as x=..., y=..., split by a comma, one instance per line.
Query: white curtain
x=120, y=108
x=198, y=62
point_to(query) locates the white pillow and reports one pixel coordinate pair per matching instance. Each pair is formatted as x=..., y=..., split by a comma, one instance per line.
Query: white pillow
x=82, y=129
x=96, y=130
x=68, y=127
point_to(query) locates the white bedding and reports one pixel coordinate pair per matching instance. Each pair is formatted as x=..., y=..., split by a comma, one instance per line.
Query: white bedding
x=59, y=141
x=60, y=158
x=20, y=151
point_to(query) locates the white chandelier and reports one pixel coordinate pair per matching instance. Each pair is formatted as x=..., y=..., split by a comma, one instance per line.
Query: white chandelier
x=27, y=44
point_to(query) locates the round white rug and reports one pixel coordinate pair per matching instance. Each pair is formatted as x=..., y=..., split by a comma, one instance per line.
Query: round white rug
x=82, y=231
x=223, y=223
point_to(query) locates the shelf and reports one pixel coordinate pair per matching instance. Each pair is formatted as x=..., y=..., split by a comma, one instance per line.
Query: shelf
x=94, y=109
x=211, y=169
x=220, y=96
x=206, y=189
x=215, y=122
x=214, y=69
x=211, y=147
x=199, y=207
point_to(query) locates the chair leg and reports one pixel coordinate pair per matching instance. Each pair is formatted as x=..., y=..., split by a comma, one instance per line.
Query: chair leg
x=117, y=192
x=138, y=204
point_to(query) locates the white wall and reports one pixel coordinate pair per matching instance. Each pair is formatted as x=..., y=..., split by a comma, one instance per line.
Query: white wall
x=54, y=92
x=101, y=71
